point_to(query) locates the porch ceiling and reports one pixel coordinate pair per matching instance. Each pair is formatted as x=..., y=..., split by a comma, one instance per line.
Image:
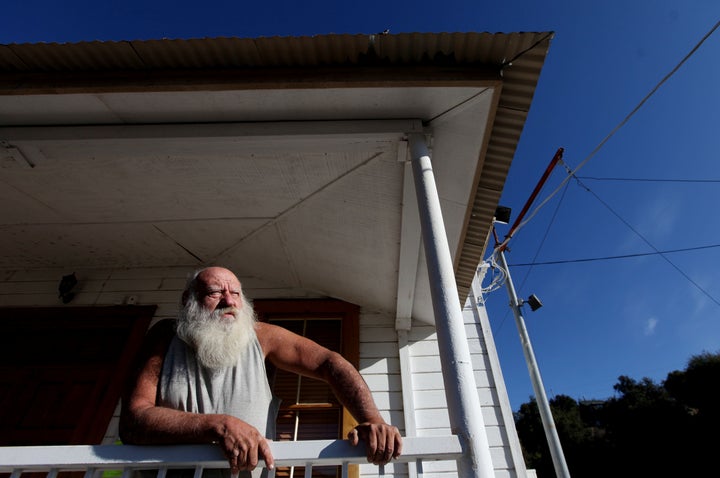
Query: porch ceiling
x=299, y=185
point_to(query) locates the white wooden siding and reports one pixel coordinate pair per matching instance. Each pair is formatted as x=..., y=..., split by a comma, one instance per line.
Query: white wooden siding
x=497, y=413
x=431, y=414
x=380, y=366
x=379, y=362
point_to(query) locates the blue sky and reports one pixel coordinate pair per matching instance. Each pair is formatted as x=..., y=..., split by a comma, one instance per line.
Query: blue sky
x=640, y=317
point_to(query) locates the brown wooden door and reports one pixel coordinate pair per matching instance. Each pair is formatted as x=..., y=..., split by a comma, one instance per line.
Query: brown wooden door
x=62, y=371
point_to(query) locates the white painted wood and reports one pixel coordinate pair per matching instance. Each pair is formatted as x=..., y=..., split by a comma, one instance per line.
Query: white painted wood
x=279, y=133
x=408, y=397
x=429, y=399
x=428, y=381
x=383, y=383
x=318, y=452
x=410, y=240
x=426, y=364
x=380, y=366
x=378, y=349
x=389, y=401
x=474, y=311
x=378, y=334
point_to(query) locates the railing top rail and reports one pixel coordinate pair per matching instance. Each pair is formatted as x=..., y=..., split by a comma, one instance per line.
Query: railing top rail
x=317, y=452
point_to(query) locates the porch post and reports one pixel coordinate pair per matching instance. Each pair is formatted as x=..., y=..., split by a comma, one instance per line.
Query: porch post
x=466, y=418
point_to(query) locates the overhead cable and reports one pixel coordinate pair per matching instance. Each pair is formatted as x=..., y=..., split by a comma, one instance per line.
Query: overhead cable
x=608, y=258
x=646, y=241
x=620, y=125
x=651, y=180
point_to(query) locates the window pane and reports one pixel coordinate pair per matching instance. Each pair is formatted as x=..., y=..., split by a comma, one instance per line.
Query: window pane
x=309, y=409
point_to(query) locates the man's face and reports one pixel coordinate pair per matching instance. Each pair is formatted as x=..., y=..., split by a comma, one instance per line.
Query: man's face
x=218, y=289
x=216, y=320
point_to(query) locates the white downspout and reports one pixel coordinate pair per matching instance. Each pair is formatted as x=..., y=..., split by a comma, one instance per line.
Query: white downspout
x=466, y=418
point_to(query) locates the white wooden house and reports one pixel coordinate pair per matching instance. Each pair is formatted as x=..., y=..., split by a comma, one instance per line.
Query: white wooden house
x=289, y=161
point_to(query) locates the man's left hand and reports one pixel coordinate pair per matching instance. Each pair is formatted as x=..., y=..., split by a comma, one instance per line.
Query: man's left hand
x=382, y=441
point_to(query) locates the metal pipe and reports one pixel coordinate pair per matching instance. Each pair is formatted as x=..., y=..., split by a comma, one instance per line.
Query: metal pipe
x=466, y=418
x=556, y=451
x=558, y=156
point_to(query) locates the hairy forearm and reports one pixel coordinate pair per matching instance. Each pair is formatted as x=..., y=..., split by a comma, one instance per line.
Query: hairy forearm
x=348, y=385
x=159, y=425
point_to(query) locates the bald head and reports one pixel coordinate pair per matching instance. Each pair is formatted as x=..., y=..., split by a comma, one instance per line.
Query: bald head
x=214, y=288
x=216, y=319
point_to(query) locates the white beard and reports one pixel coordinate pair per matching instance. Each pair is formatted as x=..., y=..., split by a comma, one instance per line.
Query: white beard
x=216, y=340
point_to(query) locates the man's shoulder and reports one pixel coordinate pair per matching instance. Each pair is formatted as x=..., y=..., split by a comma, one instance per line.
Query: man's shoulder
x=162, y=331
x=164, y=326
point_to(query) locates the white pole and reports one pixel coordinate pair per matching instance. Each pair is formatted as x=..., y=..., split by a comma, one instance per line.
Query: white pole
x=556, y=451
x=466, y=418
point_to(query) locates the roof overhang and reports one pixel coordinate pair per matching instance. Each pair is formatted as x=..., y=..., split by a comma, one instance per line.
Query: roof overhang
x=284, y=159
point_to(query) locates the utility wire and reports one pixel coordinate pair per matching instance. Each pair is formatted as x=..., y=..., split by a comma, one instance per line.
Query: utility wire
x=698, y=286
x=650, y=180
x=608, y=258
x=511, y=60
x=547, y=232
x=620, y=125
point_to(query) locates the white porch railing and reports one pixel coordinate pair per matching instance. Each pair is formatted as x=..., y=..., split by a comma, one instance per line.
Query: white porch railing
x=93, y=460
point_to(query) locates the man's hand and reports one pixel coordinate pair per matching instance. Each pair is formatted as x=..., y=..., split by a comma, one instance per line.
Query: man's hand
x=243, y=445
x=382, y=441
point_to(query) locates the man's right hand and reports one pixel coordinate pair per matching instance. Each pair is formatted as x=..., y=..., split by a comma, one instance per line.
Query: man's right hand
x=243, y=445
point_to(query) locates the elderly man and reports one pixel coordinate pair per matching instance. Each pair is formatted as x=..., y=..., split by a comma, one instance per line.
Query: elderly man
x=202, y=379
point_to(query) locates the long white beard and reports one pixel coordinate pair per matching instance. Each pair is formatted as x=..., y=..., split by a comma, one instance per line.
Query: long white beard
x=217, y=341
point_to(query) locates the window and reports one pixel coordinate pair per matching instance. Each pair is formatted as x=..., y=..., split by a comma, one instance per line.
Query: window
x=309, y=409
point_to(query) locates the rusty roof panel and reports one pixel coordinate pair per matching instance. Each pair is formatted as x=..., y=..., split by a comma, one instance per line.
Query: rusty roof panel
x=87, y=56
x=458, y=48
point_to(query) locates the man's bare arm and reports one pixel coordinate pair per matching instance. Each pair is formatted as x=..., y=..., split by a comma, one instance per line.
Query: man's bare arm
x=142, y=422
x=297, y=354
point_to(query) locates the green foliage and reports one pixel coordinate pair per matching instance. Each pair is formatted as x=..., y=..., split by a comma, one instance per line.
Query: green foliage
x=647, y=429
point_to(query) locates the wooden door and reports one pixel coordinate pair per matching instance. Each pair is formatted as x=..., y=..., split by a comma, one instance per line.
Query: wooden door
x=62, y=371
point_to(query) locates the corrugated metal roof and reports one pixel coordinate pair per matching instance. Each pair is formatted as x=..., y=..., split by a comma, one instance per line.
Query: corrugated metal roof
x=406, y=48
x=518, y=56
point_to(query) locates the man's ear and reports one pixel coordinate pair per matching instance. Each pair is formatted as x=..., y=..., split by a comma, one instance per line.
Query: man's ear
x=185, y=297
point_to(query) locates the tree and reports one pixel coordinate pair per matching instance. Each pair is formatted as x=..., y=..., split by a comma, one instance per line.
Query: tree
x=647, y=429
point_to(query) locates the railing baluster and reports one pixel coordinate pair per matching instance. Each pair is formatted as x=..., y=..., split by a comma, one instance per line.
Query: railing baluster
x=16, y=473
x=345, y=469
x=52, y=473
x=308, y=469
x=162, y=472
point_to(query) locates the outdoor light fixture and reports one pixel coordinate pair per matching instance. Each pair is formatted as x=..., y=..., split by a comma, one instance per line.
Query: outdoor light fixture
x=65, y=288
x=502, y=214
x=533, y=302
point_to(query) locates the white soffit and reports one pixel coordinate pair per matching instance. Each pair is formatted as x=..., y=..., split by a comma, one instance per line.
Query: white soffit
x=232, y=106
x=321, y=209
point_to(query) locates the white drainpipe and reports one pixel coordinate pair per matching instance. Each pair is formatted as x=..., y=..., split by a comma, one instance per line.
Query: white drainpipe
x=466, y=417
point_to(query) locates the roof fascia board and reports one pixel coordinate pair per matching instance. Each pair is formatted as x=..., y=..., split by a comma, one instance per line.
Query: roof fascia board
x=248, y=131
x=141, y=81
x=473, y=210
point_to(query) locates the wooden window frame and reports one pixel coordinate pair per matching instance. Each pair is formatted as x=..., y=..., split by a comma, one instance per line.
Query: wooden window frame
x=268, y=309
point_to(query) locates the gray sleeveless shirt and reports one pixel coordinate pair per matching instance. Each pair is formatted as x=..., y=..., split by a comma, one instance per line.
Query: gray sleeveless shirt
x=242, y=391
